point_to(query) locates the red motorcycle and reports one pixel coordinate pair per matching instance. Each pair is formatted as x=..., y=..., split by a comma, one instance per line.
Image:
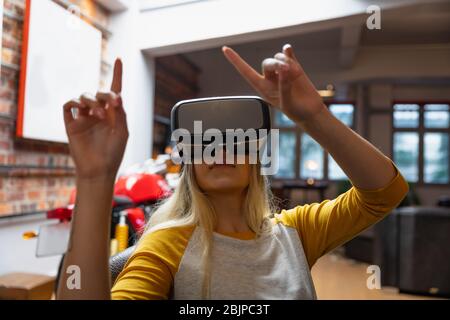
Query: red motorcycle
x=134, y=197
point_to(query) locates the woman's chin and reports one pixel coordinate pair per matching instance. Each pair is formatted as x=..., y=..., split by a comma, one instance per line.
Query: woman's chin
x=222, y=178
x=224, y=184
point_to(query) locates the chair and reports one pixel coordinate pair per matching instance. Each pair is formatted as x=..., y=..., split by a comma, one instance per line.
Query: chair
x=412, y=250
x=116, y=264
x=118, y=261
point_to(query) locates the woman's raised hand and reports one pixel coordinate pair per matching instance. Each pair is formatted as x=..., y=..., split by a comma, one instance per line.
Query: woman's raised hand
x=283, y=83
x=98, y=132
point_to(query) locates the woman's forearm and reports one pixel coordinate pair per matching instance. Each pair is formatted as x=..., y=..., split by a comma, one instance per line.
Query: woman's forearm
x=89, y=244
x=285, y=84
x=364, y=164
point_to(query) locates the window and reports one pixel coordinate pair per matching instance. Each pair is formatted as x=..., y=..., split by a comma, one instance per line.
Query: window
x=436, y=116
x=421, y=141
x=311, y=161
x=435, y=157
x=301, y=156
x=406, y=116
x=406, y=154
x=281, y=120
x=287, y=156
x=343, y=112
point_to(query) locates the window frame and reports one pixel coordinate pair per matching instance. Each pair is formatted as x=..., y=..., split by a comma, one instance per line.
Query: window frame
x=298, y=140
x=421, y=130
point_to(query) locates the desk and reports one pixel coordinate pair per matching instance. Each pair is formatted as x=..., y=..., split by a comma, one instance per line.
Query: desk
x=26, y=286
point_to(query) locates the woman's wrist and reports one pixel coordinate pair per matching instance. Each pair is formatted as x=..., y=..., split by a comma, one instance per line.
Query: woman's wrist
x=321, y=115
x=100, y=179
x=94, y=197
x=98, y=186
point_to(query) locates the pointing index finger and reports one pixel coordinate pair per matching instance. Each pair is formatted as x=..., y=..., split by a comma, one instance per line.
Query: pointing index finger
x=116, y=85
x=289, y=51
x=250, y=74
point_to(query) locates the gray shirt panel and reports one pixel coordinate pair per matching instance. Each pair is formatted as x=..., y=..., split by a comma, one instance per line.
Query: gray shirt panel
x=271, y=267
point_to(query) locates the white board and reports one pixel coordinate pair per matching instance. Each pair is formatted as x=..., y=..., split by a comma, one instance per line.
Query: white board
x=61, y=60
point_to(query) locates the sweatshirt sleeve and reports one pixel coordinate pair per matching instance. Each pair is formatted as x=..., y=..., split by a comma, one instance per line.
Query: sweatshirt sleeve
x=149, y=272
x=329, y=224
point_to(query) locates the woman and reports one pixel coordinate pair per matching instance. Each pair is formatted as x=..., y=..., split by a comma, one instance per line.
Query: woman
x=215, y=237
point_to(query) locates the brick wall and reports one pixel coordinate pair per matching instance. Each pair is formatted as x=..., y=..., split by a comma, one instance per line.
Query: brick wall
x=34, y=176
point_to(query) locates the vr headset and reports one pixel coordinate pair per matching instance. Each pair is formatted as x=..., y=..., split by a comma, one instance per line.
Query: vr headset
x=238, y=125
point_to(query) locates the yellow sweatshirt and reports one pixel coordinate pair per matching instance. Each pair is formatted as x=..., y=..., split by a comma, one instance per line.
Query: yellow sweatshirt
x=166, y=263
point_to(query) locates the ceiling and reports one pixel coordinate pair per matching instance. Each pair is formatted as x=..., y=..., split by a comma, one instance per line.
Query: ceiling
x=420, y=24
x=335, y=49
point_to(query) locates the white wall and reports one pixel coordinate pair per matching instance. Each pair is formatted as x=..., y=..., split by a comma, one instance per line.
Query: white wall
x=138, y=81
x=207, y=24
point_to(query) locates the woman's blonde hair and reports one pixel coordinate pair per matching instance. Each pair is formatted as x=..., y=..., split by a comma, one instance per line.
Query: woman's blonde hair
x=190, y=206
